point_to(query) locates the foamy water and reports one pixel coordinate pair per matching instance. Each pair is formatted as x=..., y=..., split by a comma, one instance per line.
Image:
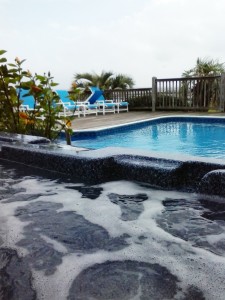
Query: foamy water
x=116, y=240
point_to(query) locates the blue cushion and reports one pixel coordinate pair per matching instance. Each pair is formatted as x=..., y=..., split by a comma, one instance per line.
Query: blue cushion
x=123, y=103
x=109, y=104
x=92, y=106
x=64, y=96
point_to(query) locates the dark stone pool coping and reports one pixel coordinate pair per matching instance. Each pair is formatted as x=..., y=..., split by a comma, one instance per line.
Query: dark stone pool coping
x=22, y=138
x=182, y=173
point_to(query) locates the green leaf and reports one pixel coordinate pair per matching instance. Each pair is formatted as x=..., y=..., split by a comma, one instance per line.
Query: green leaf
x=40, y=77
x=12, y=70
x=13, y=81
x=2, y=52
x=12, y=65
x=54, y=84
x=2, y=60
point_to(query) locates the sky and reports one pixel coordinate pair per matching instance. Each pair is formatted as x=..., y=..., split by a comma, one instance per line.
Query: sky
x=138, y=38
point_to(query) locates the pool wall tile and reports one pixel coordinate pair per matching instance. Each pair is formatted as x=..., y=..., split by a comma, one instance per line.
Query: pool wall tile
x=157, y=172
x=213, y=183
x=25, y=139
x=86, y=169
x=190, y=176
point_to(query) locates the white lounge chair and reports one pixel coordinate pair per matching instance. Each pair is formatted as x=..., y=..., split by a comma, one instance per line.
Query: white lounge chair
x=69, y=107
x=28, y=101
x=75, y=108
x=106, y=105
x=97, y=98
x=29, y=105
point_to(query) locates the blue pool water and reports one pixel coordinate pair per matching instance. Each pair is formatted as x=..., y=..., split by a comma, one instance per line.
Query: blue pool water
x=192, y=136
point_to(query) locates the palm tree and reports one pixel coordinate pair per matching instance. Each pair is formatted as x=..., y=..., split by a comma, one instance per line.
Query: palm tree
x=205, y=67
x=121, y=81
x=105, y=81
x=88, y=79
x=205, y=90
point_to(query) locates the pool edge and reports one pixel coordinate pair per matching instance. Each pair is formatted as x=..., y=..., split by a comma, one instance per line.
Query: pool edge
x=100, y=166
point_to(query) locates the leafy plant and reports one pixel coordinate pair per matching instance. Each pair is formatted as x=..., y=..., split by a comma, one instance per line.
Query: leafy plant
x=105, y=80
x=205, y=67
x=44, y=119
x=205, y=91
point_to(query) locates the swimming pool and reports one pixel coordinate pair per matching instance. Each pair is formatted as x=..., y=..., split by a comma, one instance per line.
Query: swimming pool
x=198, y=136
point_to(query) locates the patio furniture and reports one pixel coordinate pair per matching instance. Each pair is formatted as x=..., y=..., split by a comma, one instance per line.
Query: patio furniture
x=105, y=105
x=29, y=105
x=69, y=107
x=97, y=98
x=28, y=101
x=122, y=106
x=76, y=108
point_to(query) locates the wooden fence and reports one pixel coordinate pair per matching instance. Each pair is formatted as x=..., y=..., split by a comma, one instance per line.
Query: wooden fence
x=137, y=98
x=193, y=93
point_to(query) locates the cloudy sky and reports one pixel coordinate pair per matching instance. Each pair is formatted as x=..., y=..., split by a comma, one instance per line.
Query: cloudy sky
x=139, y=38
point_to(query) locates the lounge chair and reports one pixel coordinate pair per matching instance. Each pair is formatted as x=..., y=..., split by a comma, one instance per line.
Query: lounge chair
x=29, y=105
x=74, y=108
x=97, y=98
x=122, y=106
x=69, y=106
x=107, y=105
x=28, y=101
x=87, y=109
x=89, y=106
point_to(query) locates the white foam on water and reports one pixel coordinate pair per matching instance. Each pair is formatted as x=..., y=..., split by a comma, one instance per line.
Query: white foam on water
x=190, y=264
x=32, y=185
x=103, y=212
x=71, y=266
x=56, y=245
x=215, y=238
x=11, y=227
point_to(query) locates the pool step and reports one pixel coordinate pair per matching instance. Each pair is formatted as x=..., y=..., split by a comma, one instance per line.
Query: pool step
x=157, y=172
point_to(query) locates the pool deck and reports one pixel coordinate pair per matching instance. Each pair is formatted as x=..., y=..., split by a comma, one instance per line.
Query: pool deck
x=100, y=121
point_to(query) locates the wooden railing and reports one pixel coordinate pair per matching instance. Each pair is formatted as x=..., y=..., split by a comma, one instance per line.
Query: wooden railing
x=137, y=98
x=193, y=93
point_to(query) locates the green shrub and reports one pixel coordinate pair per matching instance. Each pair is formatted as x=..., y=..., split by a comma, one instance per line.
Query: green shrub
x=44, y=120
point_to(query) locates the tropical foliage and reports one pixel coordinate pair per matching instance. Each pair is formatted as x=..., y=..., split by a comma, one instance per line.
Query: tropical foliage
x=205, y=67
x=204, y=90
x=105, y=80
x=43, y=120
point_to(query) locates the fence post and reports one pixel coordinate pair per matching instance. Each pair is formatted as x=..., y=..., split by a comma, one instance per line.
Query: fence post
x=222, y=92
x=154, y=93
